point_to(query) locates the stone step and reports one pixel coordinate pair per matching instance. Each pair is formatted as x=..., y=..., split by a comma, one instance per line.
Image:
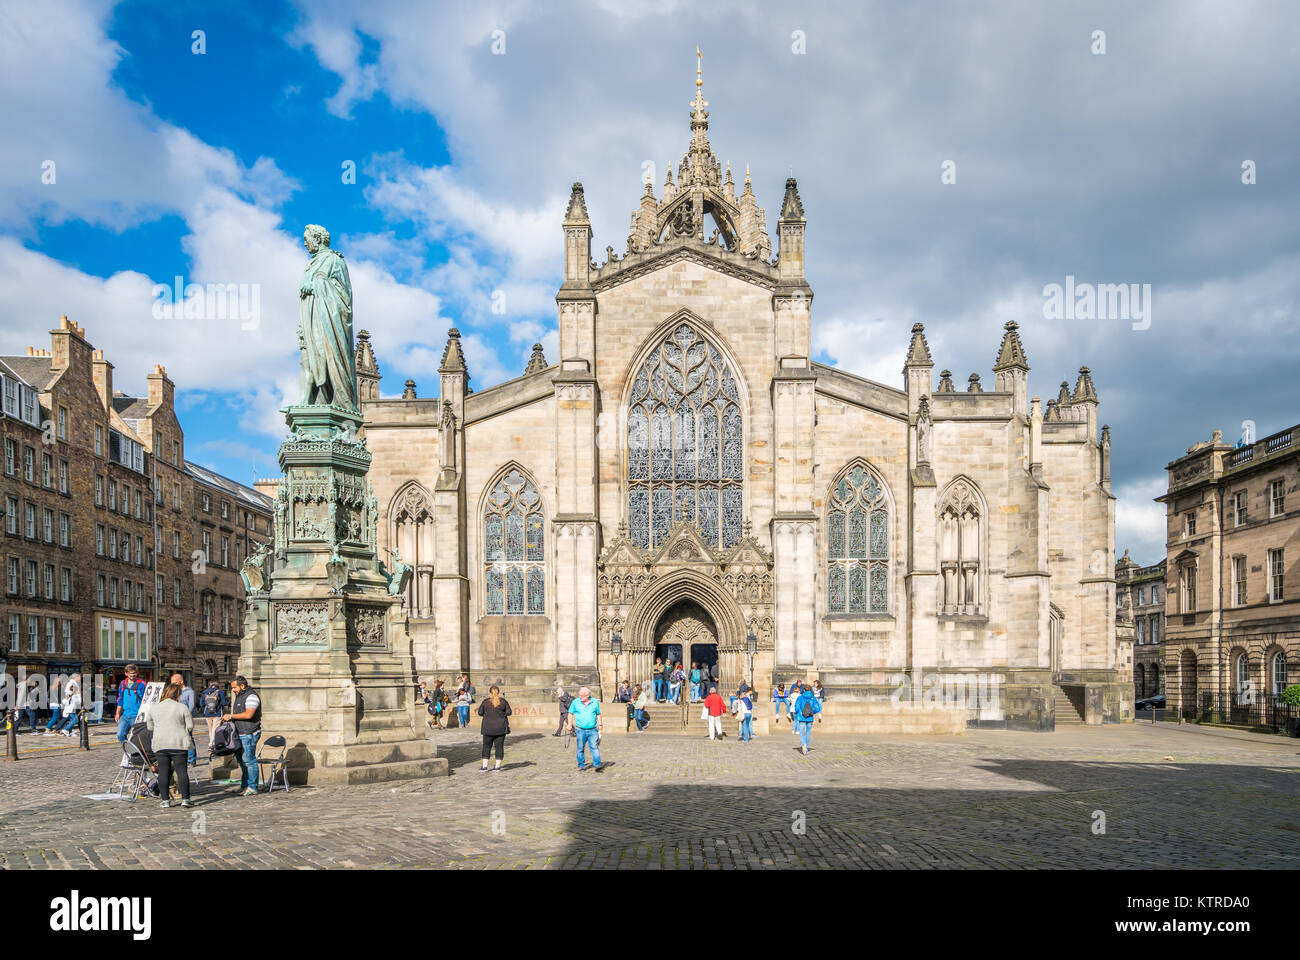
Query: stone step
x=1065, y=709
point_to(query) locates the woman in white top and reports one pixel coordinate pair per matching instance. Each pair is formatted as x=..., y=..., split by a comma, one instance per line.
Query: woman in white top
x=71, y=705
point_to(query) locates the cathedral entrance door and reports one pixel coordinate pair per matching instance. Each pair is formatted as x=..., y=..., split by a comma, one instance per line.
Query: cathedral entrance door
x=687, y=633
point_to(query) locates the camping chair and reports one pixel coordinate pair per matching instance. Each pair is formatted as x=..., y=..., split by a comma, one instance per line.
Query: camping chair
x=133, y=776
x=277, y=764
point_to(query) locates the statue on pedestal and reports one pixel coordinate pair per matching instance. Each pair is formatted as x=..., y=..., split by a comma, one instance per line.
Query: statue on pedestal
x=329, y=372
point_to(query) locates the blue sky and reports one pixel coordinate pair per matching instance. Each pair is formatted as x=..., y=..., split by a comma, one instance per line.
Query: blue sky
x=467, y=123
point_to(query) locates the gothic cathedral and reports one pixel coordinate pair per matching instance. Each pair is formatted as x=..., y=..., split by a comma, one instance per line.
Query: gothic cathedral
x=687, y=482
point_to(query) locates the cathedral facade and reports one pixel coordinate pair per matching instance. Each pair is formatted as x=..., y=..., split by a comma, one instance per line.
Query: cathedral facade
x=685, y=481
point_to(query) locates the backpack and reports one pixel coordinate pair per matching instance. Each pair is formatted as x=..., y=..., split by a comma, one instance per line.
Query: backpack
x=806, y=711
x=225, y=741
x=212, y=702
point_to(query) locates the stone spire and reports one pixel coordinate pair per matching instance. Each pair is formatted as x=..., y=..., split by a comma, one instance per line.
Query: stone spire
x=699, y=164
x=367, y=368
x=1011, y=370
x=973, y=384
x=918, y=354
x=791, y=206
x=1011, y=353
x=453, y=360
x=577, y=211
x=945, y=382
x=537, y=362
x=1083, y=388
x=453, y=367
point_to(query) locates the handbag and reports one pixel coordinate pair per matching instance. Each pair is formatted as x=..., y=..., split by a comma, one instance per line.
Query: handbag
x=704, y=713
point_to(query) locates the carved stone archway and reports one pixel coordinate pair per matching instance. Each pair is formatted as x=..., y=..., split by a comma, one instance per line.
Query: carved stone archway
x=635, y=588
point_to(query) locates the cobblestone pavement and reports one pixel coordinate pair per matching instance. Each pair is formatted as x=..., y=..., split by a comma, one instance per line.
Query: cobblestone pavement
x=988, y=799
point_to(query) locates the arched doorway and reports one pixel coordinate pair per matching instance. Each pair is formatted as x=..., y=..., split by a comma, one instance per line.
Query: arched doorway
x=686, y=633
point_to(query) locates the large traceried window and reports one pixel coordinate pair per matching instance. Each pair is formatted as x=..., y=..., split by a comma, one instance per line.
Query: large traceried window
x=685, y=443
x=961, y=518
x=857, y=541
x=514, y=549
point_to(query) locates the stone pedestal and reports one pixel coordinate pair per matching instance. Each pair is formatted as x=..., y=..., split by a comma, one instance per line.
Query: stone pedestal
x=325, y=640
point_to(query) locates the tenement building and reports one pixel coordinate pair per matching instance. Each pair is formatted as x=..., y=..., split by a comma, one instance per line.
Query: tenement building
x=100, y=521
x=1232, y=642
x=230, y=522
x=1139, y=597
x=686, y=477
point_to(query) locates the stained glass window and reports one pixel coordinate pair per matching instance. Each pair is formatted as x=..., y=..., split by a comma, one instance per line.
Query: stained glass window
x=685, y=438
x=514, y=549
x=857, y=545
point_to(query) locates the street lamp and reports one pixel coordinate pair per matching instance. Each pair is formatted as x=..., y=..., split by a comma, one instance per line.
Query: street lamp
x=751, y=647
x=616, y=649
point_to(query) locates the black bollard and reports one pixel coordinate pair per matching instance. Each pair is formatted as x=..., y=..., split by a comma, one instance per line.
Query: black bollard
x=11, y=733
x=84, y=729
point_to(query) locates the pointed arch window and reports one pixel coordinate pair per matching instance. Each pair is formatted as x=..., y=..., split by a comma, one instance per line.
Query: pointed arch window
x=685, y=438
x=514, y=549
x=857, y=524
x=961, y=549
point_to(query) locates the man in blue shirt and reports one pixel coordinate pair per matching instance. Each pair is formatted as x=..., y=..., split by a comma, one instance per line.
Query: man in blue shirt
x=130, y=693
x=584, y=720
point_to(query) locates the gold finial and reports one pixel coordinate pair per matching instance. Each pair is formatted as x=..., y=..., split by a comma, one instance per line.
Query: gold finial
x=699, y=64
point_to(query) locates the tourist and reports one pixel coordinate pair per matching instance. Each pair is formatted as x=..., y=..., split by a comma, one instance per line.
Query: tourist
x=186, y=700
x=715, y=708
x=781, y=699
x=495, y=711
x=438, y=697
x=54, y=698
x=659, y=682
x=214, y=705
x=246, y=712
x=677, y=678
x=584, y=720
x=805, y=710
x=171, y=729
x=638, y=708
x=71, y=704
x=697, y=685
x=745, y=713
x=468, y=687
x=714, y=675
x=130, y=694
x=820, y=693
x=796, y=688
x=740, y=692
x=624, y=694
x=28, y=697
x=462, y=706
x=563, y=699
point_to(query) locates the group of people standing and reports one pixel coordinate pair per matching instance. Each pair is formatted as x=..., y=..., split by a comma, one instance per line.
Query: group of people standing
x=439, y=701
x=668, y=677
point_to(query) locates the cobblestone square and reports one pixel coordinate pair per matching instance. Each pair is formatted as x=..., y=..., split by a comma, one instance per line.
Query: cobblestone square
x=990, y=799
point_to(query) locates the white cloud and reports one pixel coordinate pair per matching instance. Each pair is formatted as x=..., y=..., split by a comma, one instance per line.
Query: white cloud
x=1140, y=523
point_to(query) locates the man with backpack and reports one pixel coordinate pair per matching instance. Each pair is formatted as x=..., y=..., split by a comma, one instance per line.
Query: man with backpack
x=805, y=712
x=214, y=704
x=246, y=714
x=130, y=694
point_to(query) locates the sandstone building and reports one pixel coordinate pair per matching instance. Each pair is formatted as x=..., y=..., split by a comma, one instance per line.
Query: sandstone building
x=1140, y=598
x=686, y=476
x=1232, y=643
x=102, y=515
